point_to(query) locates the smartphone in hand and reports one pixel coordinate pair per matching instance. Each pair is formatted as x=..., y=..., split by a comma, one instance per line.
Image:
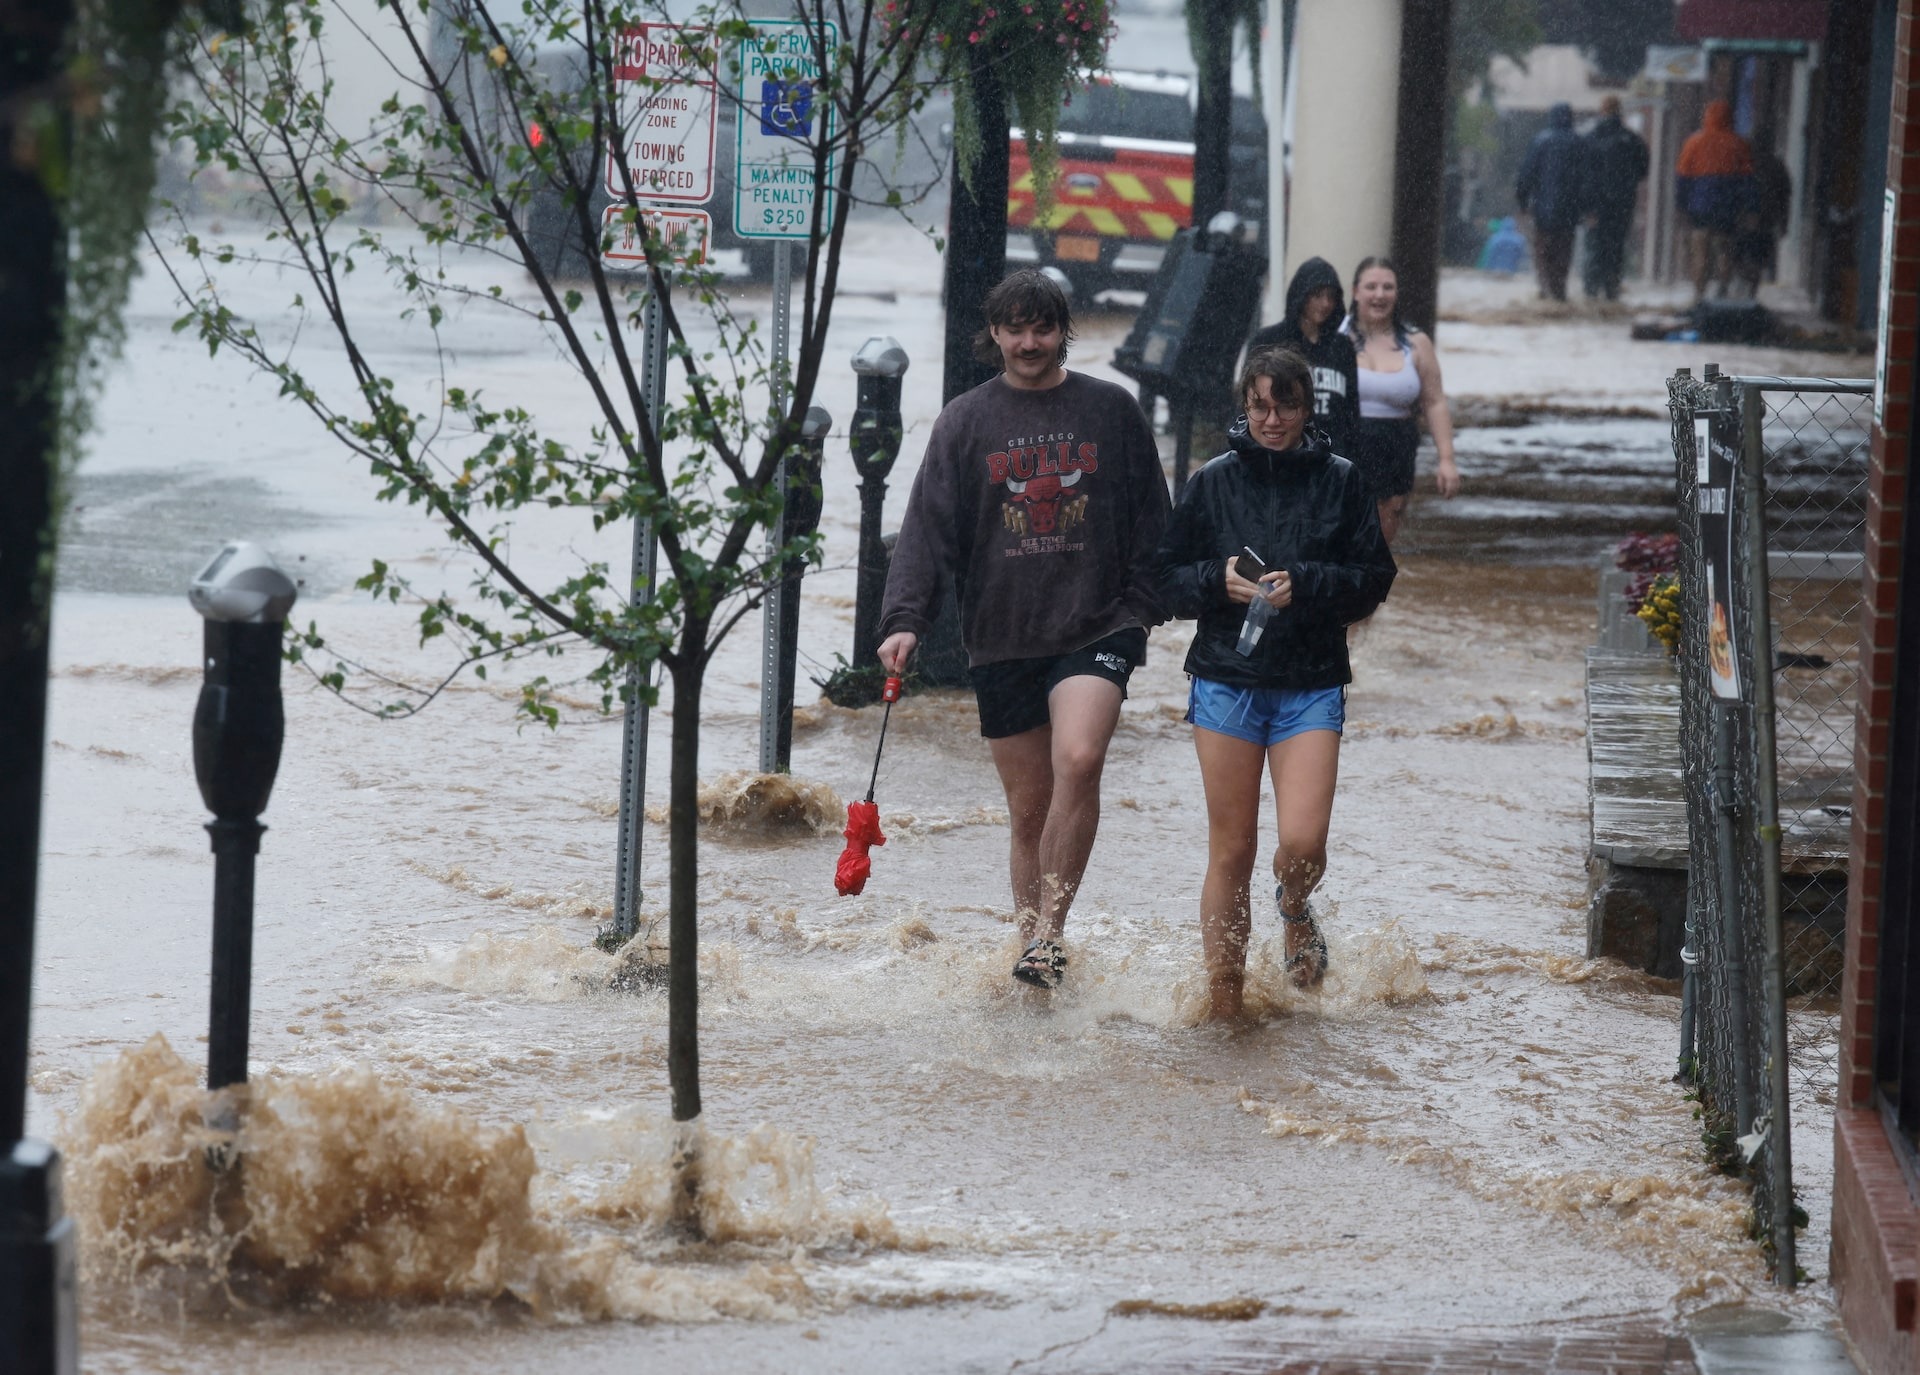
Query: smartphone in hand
x=1249, y=565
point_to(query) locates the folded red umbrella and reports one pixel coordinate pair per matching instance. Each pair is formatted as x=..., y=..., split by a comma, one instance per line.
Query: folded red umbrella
x=863, y=830
x=863, y=818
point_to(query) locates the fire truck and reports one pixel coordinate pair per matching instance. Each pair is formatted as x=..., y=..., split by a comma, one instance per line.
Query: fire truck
x=1125, y=184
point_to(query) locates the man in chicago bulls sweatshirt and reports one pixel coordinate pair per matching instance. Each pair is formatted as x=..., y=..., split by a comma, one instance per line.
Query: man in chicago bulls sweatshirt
x=1042, y=497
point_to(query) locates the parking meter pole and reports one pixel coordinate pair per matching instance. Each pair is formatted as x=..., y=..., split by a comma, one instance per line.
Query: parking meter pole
x=875, y=441
x=235, y=844
x=772, y=609
x=799, y=517
x=646, y=566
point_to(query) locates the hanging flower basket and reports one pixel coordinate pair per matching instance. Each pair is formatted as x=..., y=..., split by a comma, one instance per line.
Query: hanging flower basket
x=1041, y=51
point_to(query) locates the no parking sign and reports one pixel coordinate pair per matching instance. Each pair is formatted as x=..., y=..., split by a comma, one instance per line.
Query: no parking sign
x=666, y=113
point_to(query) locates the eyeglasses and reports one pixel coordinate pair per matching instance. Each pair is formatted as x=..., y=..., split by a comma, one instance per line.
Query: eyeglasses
x=1260, y=410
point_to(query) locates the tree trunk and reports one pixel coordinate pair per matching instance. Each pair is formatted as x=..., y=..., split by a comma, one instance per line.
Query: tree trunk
x=33, y=248
x=1212, y=22
x=976, y=234
x=683, y=883
x=683, y=930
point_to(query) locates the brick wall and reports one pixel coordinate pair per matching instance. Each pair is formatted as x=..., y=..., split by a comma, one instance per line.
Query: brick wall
x=1876, y=1227
x=1886, y=509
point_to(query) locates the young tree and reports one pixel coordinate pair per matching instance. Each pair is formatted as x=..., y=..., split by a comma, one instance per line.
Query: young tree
x=478, y=176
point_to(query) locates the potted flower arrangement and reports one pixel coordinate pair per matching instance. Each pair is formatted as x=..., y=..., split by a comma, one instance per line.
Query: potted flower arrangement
x=1654, y=592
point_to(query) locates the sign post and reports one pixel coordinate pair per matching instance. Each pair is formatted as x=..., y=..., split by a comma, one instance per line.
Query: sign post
x=776, y=193
x=666, y=99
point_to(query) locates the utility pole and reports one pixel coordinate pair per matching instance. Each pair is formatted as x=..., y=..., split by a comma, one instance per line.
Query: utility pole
x=38, y=1327
x=1420, y=156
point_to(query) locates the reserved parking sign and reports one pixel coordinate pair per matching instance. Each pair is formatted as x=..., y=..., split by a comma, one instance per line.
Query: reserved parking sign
x=783, y=121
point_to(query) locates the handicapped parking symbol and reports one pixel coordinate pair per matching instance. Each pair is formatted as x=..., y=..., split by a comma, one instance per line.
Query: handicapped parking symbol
x=786, y=109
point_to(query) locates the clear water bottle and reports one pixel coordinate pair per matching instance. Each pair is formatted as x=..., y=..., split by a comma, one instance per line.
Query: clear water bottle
x=1259, y=612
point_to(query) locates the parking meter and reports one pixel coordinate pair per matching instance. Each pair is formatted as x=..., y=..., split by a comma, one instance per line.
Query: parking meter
x=799, y=517
x=875, y=440
x=237, y=729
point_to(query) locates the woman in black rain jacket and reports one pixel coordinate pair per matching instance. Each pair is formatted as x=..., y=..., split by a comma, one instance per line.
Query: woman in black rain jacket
x=1275, y=548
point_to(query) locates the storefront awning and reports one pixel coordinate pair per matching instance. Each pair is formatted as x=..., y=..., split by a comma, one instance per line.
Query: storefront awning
x=1802, y=21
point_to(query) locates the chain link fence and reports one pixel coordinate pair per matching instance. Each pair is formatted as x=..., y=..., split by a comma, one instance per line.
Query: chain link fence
x=1771, y=486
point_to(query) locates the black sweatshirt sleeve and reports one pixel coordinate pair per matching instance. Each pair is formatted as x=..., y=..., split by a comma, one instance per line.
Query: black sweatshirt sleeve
x=927, y=553
x=1352, y=588
x=1152, y=506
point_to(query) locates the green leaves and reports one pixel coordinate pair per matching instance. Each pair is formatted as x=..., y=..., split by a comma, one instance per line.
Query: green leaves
x=450, y=203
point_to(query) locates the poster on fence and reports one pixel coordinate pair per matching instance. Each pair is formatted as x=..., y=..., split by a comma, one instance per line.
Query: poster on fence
x=1716, y=441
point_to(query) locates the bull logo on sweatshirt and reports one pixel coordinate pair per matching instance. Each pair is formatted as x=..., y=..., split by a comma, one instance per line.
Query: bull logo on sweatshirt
x=1040, y=481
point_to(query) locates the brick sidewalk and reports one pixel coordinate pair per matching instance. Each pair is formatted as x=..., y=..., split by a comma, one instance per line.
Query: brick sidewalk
x=1448, y=1354
x=1772, y=1352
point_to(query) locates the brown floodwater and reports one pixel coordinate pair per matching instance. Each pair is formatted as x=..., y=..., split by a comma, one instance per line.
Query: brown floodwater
x=455, y=1152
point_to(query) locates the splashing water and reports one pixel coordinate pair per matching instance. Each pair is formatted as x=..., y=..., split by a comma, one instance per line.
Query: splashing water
x=345, y=1188
x=753, y=805
x=1366, y=971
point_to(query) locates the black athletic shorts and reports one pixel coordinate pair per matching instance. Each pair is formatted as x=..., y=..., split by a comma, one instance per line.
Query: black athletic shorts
x=1383, y=451
x=1013, y=693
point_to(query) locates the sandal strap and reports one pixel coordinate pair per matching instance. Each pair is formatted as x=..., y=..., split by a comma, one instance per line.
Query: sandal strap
x=1280, y=901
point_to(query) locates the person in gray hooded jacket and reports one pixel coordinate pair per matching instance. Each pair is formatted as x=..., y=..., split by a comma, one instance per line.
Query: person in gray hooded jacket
x=1315, y=307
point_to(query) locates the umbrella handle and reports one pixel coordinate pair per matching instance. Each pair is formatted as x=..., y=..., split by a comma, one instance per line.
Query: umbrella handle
x=889, y=693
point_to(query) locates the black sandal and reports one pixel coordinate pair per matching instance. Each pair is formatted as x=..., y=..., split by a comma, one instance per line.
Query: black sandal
x=1043, y=964
x=1316, y=950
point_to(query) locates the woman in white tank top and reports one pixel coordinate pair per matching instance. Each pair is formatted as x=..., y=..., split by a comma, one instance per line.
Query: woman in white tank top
x=1399, y=377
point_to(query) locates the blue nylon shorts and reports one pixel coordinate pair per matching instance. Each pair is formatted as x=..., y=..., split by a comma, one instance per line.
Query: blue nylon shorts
x=1265, y=716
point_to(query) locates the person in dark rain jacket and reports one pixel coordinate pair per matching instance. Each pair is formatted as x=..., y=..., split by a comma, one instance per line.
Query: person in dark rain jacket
x=1616, y=164
x=1550, y=190
x=1275, y=549
x=1315, y=307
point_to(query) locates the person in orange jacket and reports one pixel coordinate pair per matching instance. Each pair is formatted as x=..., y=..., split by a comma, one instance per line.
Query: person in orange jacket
x=1713, y=183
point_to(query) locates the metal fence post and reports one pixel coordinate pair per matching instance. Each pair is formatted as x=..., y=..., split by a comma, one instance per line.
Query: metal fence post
x=1733, y=953
x=1691, y=951
x=1767, y=825
x=1797, y=505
